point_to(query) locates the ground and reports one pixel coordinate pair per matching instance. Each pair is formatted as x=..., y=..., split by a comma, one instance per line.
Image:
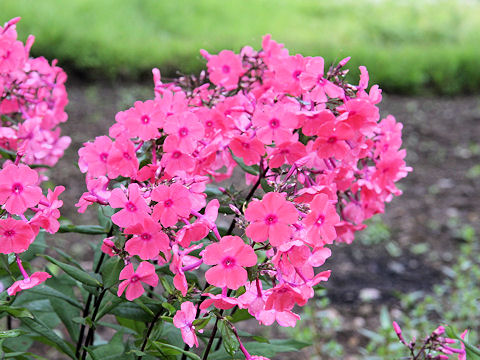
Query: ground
x=442, y=137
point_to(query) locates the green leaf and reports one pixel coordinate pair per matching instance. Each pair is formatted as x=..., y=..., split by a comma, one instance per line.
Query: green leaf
x=104, y=217
x=473, y=353
x=132, y=311
x=201, y=323
x=66, y=312
x=230, y=342
x=275, y=347
x=240, y=315
x=37, y=247
x=50, y=292
x=75, y=272
x=46, y=333
x=83, y=229
x=265, y=186
x=248, y=169
x=16, y=312
x=10, y=333
x=111, y=271
x=162, y=346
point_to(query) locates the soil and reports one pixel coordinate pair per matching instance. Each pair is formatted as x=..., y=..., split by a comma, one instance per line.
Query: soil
x=442, y=137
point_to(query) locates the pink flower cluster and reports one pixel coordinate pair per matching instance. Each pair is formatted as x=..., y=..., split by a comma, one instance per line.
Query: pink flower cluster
x=315, y=144
x=32, y=102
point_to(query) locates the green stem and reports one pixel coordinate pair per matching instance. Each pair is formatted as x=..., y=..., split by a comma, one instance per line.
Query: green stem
x=210, y=341
x=149, y=331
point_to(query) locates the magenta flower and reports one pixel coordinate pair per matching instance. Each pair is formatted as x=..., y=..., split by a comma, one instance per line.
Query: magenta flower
x=274, y=124
x=249, y=149
x=320, y=222
x=15, y=236
x=94, y=156
x=224, y=69
x=229, y=255
x=18, y=188
x=148, y=241
x=143, y=120
x=33, y=280
x=183, y=320
x=133, y=279
x=271, y=219
x=173, y=202
x=187, y=128
x=134, y=208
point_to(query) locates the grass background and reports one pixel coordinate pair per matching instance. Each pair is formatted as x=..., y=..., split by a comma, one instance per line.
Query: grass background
x=409, y=46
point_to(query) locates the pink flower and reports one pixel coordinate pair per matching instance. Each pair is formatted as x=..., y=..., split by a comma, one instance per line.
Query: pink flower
x=183, y=320
x=229, y=255
x=321, y=221
x=35, y=279
x=48, y=214
x=15, y=236
x=122, y=160
x=224, y=69
x=143, y=120
x=331, y=140
x=145, y=273
x=134, y=208
x=172, y=202
x=93, y=156
x=187, y=128
x=18, y=189
x=175, y=161
x=271, y=219
x=249, y=149
x=274, y=124
x=149, y=239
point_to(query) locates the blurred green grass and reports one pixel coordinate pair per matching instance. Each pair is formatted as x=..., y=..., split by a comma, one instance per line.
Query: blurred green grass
x=409, y=46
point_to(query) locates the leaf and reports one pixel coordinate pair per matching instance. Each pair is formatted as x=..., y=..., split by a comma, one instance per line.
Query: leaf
x=45, y=332
x=132, y=311
x=104, y=217
x=50, y=292
x=16, y=312
x=240, y=315
x=74, y=272
x=473, y=353
x=111, y=271
x=37, y=247
x=10, y=333
x=265, y=186
x=248, y=169
x=275, y=347
x=230, y=342
x=161, y=346
x=83, y=229
x=66, y=312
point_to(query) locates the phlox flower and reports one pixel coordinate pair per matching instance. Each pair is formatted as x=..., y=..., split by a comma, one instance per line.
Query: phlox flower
x=312, y=79
x=183, y=320
x=320, y=222
x=331, y=140
x=134, y=208
x=143, y=120
x=15, y=236
x=48, y=214
x=122, y=160
x=283, y=297
x=286, y=153
x=93, y=156
x=148, y=241
x=33, y=280
x=175, y=161
x=133, y=279
x=285, y=318
x=248, y=148
x=18, y=188
x=274, y=124
x=220, y=301
x=172, y=202
x=224, y=69
x=187, y=128
x=271, y=219
x=229, y=256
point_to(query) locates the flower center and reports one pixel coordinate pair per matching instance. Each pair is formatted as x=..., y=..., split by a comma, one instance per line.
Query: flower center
x=274, y=123
x=226, y=69
x=127, y=156
x=176, y=154
x=246, y=145
x=183, y=132
x=130, y=206
x=332, y=140
x=271, y=219
x=9, y=233
x=103, y=157
x=17, y=188
x=296, y=74
x=168, y=203
x=228, y=262
x=146, y=237
x=145, y=119
x=134, y=278
x=320, y=220
x=209, y=123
